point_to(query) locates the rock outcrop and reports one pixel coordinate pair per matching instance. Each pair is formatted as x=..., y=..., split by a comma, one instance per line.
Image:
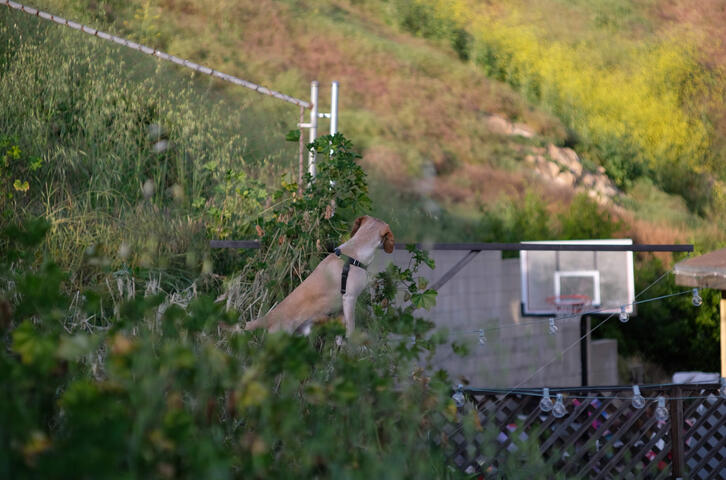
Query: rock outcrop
x=559, y=165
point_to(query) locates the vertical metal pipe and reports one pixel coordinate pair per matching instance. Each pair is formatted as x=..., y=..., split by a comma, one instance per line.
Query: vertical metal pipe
x=301, y=149
x=584, y=344
x=313, y=124
x=334, y=108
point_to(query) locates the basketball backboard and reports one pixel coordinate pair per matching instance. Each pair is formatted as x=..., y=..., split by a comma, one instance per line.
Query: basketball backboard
x=605, y=277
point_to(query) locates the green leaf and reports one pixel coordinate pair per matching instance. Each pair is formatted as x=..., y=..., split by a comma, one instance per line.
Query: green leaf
x=21, y=186
x=34, y=349
x=425, y=300
x=461, y=349
x=35, y=163
x=293, y=136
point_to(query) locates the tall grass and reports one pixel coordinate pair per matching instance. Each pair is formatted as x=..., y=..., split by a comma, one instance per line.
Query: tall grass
x=131, y=153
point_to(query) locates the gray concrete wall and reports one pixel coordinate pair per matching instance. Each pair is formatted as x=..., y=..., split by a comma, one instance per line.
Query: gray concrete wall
x=520, y=351
x=604, y=362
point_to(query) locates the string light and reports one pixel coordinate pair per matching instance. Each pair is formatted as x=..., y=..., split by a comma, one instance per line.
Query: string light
x=546, y=403
x=512, y=390
x=458, y=396
x=624, y=317
x=697, y=300
x=593, y=395
x=413, y=340
x=553, y=327
x=638, y=400
x=559, y=410
x=661, y=412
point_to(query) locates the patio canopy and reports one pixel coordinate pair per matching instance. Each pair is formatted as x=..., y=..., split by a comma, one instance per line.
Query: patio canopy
x=706, y=271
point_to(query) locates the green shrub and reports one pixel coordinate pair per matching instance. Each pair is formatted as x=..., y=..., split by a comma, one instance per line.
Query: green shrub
x=162, y=391
x=423, y=19
x=509, y=221
x=529, y=219
x=585, y=219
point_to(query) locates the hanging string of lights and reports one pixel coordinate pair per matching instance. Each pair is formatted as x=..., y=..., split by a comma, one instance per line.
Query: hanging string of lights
x=554, y=328
x=558, y=408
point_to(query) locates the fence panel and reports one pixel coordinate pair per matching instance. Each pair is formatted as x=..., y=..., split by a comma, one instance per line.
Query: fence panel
x=602, y=436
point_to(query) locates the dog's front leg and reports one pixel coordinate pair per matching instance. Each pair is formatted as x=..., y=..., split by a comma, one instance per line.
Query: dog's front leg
x=349, y=314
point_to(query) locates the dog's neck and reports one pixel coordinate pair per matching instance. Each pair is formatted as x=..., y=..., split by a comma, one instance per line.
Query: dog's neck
x=361, y=248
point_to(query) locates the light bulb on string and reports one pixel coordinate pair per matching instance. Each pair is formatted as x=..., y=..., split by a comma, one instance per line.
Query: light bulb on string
x=638, y=400
x=553, y=327
x=458, y=396
x=546, y=403
x=413, y=340
x=482, y=337
x=624, y=317
x=722, y=390
x=559, y=410
x=661, y=412
x=697, y=300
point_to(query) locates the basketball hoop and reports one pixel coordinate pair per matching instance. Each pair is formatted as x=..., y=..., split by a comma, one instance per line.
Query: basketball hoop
x=569, y=305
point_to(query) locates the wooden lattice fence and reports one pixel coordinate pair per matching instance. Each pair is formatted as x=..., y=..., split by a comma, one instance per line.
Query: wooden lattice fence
x=602, y=436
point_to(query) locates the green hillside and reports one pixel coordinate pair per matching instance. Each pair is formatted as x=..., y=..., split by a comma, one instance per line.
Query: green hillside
x=419, y=79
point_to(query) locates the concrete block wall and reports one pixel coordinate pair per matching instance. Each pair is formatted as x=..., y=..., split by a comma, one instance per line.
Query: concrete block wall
x=603, y=362
x=519, y=351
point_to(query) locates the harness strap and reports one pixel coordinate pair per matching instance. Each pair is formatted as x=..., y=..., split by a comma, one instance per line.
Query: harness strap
x=348, y=261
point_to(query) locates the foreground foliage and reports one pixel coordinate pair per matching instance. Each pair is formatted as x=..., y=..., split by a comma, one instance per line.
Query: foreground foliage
x=114, y=382
x=155, y=386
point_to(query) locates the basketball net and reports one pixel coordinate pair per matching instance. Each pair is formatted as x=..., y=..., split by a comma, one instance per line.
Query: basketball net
x=569, y=305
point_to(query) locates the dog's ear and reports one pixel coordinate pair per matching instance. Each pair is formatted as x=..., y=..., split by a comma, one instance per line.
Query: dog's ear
x=388, y=241
x=357, y=224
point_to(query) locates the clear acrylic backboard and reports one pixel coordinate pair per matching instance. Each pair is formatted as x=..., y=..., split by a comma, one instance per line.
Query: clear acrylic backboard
x=606, y=278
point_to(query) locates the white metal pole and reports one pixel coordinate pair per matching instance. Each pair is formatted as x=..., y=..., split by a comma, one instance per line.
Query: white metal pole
x=334, y=109
x=313, y=125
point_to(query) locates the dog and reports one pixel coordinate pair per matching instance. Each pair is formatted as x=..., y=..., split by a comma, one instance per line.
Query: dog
x=334, y=284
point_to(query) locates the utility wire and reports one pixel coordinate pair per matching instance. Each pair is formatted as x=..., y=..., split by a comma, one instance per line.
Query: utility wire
x=155, y=53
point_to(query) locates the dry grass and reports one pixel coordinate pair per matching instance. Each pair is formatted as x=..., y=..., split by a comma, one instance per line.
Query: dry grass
x=423, y=97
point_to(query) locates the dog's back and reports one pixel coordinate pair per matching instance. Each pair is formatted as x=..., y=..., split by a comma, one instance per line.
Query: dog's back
x=312, y=300
x=327, y=290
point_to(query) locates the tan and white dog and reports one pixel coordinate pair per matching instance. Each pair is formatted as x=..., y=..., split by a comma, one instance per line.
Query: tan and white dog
x=336, y=282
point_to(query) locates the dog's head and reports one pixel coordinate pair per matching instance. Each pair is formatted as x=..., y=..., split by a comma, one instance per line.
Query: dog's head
x=376, y=227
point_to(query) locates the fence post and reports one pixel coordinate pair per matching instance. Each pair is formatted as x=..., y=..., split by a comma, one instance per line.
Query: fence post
x=675, y=405
x=313, y=125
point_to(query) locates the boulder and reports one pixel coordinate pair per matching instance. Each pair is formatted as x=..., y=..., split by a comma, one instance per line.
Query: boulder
x=566, y=157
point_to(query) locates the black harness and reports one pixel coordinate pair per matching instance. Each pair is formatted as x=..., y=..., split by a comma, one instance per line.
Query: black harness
x=348, y=261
